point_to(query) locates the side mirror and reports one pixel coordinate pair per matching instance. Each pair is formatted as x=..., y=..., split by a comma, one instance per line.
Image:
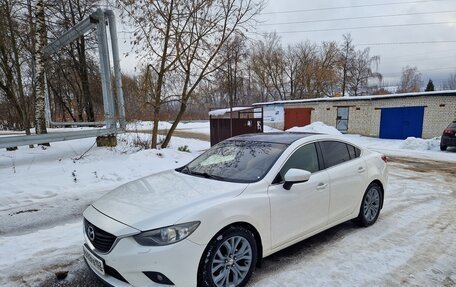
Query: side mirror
x=295, y=175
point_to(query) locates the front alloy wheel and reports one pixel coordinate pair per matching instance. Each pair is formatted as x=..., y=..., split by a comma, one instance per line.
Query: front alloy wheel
x=370, y=206
x=229, y=259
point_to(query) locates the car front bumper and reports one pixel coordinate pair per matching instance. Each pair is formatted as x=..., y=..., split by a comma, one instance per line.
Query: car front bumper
x=178, y=262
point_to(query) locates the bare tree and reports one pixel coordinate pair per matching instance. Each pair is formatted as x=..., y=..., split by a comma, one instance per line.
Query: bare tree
x=40, y=119
x=12, y=62
x=410, y=80
x=229, y=79
x=450, y=84
x=305, y=82
x=360, y=71
x=327, y=77
x=77, y=56
x=346, y=59
x=182, y=40
x=268, y=64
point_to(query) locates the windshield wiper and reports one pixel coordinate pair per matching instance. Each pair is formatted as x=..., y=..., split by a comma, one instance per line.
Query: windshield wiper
x=206, y=175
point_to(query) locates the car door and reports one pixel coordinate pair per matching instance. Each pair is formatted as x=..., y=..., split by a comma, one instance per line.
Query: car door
x=347, y=176
x=304, y=207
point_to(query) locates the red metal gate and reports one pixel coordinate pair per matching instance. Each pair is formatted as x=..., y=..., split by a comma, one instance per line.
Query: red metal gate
x=297, y=117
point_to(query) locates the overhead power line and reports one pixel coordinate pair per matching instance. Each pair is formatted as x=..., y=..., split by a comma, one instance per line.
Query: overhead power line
x=357, y=18
x=353, y=6
x=365, y=27
x=405, y=43
x=415, y=59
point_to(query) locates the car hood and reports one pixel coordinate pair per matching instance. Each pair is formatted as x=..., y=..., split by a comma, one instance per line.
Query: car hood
x=162, y=199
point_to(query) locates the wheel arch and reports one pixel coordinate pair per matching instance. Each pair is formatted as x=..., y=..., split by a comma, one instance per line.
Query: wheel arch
x=249, y=227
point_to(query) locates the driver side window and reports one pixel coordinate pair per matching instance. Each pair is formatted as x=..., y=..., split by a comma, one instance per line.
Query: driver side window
x=304, y=157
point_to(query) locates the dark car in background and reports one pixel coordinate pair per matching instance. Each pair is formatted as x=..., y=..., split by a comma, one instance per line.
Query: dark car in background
x=448, y=137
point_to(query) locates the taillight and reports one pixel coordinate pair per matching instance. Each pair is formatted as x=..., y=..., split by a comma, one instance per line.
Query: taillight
x=449, y=132
x=385, y=158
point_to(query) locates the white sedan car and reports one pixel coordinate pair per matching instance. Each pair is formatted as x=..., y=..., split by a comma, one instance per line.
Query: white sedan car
x=210, y=222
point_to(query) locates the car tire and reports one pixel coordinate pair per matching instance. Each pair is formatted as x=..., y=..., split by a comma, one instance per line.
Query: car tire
x=219, y=262
x=443, y=147
x=370, y=205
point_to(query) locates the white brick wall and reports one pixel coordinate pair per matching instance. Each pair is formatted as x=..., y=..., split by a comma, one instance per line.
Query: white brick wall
x=364, y=115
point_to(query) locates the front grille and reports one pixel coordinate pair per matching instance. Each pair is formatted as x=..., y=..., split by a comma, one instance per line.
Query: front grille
x=102, y=240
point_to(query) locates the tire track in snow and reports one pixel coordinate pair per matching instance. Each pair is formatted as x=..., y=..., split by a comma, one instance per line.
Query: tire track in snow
x=45, y=214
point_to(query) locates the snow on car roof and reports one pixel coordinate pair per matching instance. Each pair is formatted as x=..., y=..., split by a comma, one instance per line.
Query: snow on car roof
x=278, y=137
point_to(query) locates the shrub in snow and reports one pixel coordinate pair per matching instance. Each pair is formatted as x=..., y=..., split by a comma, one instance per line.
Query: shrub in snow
x=183, y=148
x=420, y=144
x=316, y=127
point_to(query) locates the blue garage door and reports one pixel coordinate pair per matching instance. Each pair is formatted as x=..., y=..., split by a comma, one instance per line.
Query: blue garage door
x=400, y=123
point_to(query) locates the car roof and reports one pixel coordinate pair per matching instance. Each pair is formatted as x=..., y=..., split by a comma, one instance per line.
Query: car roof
x=277, y=137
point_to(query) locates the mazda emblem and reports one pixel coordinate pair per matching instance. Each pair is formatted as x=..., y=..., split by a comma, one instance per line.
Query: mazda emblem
x=91, y=233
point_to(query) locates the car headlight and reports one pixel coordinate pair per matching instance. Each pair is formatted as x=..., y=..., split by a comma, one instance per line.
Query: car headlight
x=166, y=235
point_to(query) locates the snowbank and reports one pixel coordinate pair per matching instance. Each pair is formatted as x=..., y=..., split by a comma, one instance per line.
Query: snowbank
x=421, y=144
x=75, y=167
x=316, y=127
x=147, y=125
x=194, y=126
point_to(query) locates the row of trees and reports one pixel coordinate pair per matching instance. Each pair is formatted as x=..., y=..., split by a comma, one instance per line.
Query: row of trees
x=265, y=70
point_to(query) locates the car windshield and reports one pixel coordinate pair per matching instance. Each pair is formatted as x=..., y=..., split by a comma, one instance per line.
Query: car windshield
x=237, y=161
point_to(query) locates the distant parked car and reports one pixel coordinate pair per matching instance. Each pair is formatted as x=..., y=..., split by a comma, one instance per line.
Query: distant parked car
x=448, y=137
x=209, y=222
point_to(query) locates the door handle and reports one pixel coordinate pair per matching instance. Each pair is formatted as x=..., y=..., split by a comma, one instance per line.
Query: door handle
x=321, y=186
x=361, y=169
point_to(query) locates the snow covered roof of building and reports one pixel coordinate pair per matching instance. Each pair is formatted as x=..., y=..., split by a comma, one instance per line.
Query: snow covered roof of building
x=221, y=112
x=370, y=97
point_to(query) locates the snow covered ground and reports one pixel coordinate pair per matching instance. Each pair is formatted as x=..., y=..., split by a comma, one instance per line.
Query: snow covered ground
x=44, y=191
x=194, y=126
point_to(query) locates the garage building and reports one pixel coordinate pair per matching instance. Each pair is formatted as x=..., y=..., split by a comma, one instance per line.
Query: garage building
x=395, y=116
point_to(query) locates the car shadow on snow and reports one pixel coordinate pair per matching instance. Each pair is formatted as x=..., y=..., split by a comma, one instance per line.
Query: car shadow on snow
x=307, y=248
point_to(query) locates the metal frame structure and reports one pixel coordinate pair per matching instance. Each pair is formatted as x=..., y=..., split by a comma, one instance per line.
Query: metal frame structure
x=97, y=20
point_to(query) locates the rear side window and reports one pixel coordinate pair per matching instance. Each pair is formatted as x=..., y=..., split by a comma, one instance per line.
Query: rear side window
x=452, y=125
x=353, y=151
x=334, y=153
x=303, y=158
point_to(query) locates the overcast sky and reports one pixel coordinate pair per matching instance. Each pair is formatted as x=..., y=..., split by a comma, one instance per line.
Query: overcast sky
x=434, y=60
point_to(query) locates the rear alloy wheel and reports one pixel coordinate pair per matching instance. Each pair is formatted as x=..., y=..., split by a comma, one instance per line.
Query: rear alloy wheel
x=229, y=259
x=370, y=206
x=443, y=147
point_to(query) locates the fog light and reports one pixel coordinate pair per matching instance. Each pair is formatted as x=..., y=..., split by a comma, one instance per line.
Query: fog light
x=158, y=278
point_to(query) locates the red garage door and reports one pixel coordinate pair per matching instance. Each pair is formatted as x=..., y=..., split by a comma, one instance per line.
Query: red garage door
x=297, y=117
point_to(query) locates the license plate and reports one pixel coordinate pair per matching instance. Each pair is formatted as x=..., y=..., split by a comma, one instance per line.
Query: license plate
x=94, y=261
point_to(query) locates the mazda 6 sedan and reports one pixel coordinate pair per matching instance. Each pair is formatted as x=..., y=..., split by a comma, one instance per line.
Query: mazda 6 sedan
x=210, y=222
